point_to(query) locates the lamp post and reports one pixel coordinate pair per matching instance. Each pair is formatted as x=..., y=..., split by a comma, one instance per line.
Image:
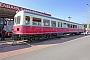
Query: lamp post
x=69, y=17
x=87, y=16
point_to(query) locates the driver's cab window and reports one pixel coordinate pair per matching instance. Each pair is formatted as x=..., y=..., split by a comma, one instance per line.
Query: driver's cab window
x=17, y=20
x=27, y=20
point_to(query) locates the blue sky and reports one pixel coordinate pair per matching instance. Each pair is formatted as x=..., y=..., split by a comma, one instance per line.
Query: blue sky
x=77, y=9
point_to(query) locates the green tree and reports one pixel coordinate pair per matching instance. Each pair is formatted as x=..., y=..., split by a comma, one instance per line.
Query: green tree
x=85, y=25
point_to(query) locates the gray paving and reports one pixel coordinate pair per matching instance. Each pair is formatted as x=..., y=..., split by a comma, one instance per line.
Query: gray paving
x=74, y=50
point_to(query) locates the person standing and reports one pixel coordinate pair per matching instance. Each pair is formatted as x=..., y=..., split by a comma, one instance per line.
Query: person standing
x=3, y=34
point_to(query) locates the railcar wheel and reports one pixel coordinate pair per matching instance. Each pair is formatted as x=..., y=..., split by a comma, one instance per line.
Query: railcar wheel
x=45, y=37
x=40, y=38
x=34, y=40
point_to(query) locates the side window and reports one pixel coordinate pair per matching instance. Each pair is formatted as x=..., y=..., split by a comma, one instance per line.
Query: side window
x=74, y=26
x=46, y=22
x=53, y=23
x=36, y=21
x=81, y=26
x=64, y=25
x=27, y=19
x=58, y=24
x=61, y=24
x=69, y=25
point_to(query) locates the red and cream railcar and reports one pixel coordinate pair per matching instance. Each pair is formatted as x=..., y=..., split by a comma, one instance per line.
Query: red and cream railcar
x=34, y=26
x=88, y=31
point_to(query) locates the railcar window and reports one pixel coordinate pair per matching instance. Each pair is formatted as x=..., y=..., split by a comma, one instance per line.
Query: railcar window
x=74, y=26
x=69, y=25
x=61, y=24
x=53, y=23
x=36, y=21
x=27, y=18
x=58, y=24
x=17, y=19
x=89, y=25
x=80, y=27
x=46, y=22
x=64, y=25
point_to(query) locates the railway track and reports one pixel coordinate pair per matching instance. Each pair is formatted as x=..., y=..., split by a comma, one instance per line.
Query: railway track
x=10, y=41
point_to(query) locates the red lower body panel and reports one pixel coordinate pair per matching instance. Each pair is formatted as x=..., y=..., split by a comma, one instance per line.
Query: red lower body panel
x=41, y=30
x=88, y=30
